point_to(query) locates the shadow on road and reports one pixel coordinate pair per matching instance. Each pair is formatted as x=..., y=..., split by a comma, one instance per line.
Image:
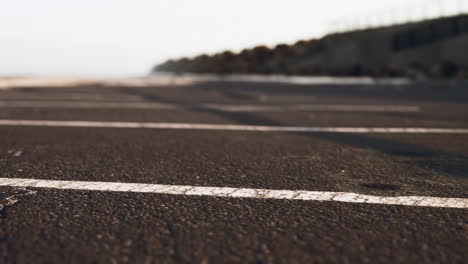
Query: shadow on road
x=442, y=162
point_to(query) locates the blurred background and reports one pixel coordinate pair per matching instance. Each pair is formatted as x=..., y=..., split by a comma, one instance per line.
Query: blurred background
x=127, y=38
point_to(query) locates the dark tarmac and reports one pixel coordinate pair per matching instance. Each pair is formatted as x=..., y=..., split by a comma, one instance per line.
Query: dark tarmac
x=70, y=226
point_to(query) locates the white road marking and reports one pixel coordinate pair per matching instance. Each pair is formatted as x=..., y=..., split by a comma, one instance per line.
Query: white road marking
x=302, y=80
x=227, y=127
x=286, y=98
x=225, y=107
x=344, y=197
x=163, y=79
x=63, y=82
x=19, y=98
x=85, y=105
x=316, y=108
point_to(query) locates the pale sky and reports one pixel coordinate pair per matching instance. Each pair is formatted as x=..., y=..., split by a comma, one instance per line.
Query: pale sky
x=127, y=37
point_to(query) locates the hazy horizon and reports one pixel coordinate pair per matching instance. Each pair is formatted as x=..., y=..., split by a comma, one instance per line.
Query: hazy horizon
x=127, y=38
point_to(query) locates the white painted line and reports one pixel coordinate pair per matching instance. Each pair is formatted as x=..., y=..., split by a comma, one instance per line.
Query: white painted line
x=163, y=79
x=317, y=108
x=286, y=98
x=85, y=105
x=63, y=82
x=344, y=197
x=188, y=126
x=221, y=107
x=19, y=98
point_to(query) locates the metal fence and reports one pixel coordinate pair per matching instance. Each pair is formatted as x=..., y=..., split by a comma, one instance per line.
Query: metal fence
x=424, y=10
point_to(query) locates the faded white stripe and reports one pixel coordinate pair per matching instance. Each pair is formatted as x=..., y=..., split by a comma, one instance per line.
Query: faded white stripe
x=188, y=126
x=19, y=98
x=221, y=107
x=86, y=105
x=62, y=82
x=316, y=108
x=239, y=192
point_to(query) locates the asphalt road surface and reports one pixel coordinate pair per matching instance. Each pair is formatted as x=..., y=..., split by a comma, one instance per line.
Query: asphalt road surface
x=365, y=193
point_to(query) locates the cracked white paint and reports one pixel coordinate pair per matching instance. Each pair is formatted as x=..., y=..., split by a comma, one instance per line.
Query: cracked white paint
x=227, y=127
x=220, y=107
x=343, y=197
